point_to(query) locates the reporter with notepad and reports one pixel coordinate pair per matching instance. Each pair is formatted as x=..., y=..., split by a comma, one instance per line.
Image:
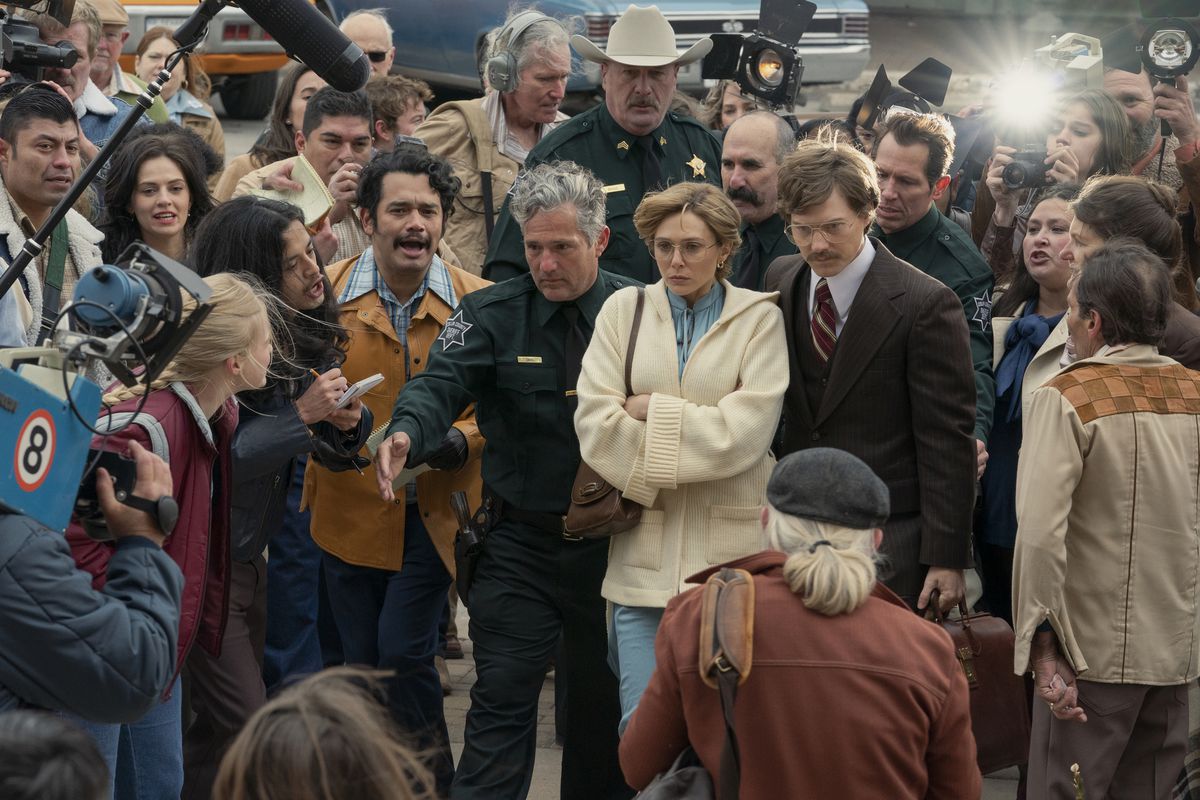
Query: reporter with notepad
x=293, y=416
x=335, y=139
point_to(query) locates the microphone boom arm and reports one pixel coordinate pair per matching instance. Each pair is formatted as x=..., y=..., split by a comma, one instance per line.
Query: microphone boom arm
x=192, y=29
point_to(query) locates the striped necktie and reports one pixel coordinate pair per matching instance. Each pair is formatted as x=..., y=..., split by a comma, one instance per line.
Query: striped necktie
x=824, y=322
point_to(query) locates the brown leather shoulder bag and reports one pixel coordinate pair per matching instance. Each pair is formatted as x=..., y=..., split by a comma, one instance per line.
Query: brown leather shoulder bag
x=597, y=509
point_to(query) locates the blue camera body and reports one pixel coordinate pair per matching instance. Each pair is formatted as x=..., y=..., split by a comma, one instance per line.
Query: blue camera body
x=43, y=446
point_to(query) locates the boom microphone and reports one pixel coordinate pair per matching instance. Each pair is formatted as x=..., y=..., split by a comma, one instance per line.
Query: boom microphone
x=307, y=35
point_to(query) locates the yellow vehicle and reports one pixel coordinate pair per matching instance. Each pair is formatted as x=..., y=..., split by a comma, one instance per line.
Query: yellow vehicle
x=240, y=56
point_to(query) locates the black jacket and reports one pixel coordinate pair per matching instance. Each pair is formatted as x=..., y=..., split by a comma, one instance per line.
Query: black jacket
x=269, y=437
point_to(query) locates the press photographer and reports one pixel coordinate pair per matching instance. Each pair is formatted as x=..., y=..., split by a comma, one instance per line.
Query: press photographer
x=1087, y=134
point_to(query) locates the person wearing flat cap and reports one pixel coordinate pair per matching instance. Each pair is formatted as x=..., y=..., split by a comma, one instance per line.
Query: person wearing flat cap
x=849, y=694
x=632, y=141
x=106, y=68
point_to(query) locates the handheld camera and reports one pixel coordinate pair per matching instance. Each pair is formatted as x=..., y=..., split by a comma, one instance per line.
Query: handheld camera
x=22, y=51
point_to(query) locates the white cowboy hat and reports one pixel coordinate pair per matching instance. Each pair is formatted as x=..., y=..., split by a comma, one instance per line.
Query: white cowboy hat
x=641, y=37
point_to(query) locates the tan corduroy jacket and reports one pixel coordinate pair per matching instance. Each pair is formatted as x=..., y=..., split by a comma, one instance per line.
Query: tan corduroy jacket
x=701, y=460
x=461, y=133
x=1108, y=518
x=348, y=518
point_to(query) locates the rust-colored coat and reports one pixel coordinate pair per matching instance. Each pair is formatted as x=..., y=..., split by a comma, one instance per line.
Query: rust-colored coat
x=870, y=704
x=349, y=520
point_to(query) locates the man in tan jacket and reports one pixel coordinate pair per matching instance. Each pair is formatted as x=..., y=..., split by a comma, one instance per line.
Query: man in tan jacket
x=1106, y=562
x=486, y=140
x=388, y=566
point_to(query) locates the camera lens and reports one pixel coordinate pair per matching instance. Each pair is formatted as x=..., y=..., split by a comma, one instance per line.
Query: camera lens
x=1015, y=175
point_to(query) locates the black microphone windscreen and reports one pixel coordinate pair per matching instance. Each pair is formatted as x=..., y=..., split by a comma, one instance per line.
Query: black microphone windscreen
x=308, y=35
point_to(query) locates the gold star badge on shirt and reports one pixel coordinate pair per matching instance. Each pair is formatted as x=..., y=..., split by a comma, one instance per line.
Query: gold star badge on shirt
x=697, y=165
x=662, y=141
x=622, y=145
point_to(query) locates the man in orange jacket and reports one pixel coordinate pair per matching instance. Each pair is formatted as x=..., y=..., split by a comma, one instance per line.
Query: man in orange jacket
x=388, y=566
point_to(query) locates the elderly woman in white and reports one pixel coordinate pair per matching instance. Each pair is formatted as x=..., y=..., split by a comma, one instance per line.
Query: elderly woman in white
x=692, y=443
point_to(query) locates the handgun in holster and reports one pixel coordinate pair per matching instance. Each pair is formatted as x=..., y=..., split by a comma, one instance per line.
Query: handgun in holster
x=468, y=544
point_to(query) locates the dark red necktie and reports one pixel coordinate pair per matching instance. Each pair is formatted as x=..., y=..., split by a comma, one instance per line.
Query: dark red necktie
x=824, y=322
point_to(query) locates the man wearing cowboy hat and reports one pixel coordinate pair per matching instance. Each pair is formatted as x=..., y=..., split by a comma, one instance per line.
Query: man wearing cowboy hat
x=632, y=142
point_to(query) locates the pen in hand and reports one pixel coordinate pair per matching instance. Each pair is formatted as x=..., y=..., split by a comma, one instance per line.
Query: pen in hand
x=354, y=464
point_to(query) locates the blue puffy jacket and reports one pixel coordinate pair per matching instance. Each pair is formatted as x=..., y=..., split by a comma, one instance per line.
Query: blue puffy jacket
x=105, y=655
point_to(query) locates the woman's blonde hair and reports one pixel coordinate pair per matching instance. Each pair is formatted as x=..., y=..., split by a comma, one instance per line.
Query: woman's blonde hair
x=704, y=200
x=327, y=738
x=833, y=568
x=240, y=308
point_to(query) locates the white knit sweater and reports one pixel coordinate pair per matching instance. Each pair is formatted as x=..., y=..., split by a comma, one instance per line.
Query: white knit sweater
x=701, y=460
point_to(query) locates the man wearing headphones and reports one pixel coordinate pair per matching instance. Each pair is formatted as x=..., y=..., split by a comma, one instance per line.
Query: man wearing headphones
x=487, y=139
x=632, y=141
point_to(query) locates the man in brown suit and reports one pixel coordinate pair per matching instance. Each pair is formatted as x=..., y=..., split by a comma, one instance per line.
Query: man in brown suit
x=880, y=367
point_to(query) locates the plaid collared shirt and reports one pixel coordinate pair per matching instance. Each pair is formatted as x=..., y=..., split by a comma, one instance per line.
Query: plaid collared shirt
x=364, y=277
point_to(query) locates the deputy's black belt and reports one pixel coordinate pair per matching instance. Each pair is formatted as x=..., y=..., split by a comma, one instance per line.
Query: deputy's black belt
x=544, y=520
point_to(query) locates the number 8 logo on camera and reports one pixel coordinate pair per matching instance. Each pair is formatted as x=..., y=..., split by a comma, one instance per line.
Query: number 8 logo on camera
x=35, y=451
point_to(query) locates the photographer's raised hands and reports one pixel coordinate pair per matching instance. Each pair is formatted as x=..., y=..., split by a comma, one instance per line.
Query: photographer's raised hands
x=1174, y=104
x=1006, y=199
x=1063, y=166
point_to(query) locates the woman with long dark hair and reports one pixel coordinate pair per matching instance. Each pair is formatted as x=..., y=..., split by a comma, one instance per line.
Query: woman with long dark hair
x=156, y=192
x=295, y=414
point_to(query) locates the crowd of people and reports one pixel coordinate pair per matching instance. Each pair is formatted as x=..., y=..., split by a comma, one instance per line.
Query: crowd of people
x=807, y=352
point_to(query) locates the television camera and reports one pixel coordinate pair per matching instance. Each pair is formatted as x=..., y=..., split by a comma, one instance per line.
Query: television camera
x=131, y=320
x=22, y=51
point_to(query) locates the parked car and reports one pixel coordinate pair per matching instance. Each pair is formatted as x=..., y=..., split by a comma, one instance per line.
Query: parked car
x=240, y=56
x=441, y=41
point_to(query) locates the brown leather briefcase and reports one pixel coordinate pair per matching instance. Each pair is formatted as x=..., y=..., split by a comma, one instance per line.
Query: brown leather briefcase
x=999, y=706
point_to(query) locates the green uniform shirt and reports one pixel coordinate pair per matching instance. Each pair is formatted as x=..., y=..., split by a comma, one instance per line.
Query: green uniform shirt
x=687, y=152
x=772, y=244
x=941, y=249
x=503, y=349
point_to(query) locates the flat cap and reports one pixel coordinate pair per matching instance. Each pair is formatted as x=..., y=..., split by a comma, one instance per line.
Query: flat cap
x=829, y=485
x=111, y=12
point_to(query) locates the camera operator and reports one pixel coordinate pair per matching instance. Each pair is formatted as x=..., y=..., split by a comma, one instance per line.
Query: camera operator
x=1091, y=136
x=106, y=654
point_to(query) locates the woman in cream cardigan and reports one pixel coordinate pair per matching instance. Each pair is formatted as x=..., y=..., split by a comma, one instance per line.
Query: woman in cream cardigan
x=692, y=442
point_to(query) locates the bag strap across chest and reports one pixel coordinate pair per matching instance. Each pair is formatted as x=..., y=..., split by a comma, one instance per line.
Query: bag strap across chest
x=726, y=656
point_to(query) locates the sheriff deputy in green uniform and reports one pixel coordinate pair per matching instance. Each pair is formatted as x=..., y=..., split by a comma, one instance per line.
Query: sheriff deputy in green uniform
x=630, y=142
x=515, y=350
x=754, y=147
x=912, y=153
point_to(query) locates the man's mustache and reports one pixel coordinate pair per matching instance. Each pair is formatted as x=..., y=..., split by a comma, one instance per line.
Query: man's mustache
x=745, y=194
